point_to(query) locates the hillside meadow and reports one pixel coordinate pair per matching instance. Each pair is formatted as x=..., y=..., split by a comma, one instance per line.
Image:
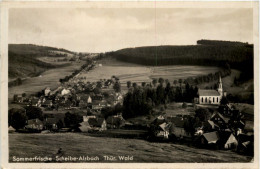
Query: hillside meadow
x=30, y=145
x=140, y=73
x=49, y=78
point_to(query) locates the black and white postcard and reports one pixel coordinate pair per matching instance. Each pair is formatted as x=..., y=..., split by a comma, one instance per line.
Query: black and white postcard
x=153, y=84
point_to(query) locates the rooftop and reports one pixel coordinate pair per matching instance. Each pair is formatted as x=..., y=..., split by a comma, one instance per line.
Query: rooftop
x=203, y=92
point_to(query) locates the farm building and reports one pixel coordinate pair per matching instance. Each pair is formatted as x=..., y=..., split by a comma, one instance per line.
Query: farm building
x=47, y=103
x=92, y=123
x=51, y=123
x=65, y=92
x=47, y=91
x=97, y=124
x=116, y=121
x=11, y=129
x=228, y=140
x=34, y=124
x=209, y=126
x=209, y=138
x=219, y=120
x=177, y=127
x=36, y=102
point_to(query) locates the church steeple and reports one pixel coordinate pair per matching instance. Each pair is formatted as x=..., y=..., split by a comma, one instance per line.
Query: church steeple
x=220, y=88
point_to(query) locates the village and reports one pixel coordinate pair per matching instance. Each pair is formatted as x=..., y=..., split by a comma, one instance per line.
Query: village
x=96, y=108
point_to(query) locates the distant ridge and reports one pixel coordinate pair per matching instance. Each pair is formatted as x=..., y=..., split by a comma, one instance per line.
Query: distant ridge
x=38, y=50
x=23, y=62
x=238, y=55
x=221, y=42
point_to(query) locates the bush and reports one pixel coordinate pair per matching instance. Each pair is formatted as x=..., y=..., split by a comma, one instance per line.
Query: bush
x=184, y=105
x=17, y=118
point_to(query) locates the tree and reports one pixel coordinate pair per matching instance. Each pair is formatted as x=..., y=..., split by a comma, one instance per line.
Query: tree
x=175, y=82
x=191, y=123
x=17, y=118
x=167, y=81
x=128, y=84
x=97, y=90
x=24, y=94
x=180, y=81
x=161, y=81
x=134, y=85
x=202, y=114
x=34, y=112
x=184, y=105
x=117, y=87
x=60, y=124
x=106, y=95
x=99, y=84
x=160, y=94
x=154, y=82
x=143, y=84
x=224, y=100
x=72, y=120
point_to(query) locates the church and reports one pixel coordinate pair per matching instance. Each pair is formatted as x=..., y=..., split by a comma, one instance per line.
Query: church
x=211, y=96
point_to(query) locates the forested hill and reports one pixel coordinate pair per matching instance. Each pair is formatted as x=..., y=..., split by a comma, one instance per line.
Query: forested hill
x=35, y=50
x=207, y=52
x=23, y=60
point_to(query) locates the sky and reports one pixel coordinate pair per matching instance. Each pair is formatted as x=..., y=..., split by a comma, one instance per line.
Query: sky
x=103, y=30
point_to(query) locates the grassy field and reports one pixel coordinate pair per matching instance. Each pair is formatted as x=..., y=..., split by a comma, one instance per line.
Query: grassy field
x=77, y=144
x=50, y=78
x=139, y=73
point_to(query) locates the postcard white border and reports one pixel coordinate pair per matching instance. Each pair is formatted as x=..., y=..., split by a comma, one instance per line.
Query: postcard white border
x=5, y=5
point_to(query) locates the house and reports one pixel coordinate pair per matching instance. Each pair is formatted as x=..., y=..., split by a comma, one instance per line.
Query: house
x=85, y=100
x=65, y=92
x=18, y=98
x=97, y=97
x=209, y=126
x=163, y=131
x=97, y=124
x=220, y=120
x=11, y=129
x=98, y=105
x=34, y=124
x=211, y=96
x=177, y=127
x=159, y=120
x=160, y=128
x=47, y=91
x=67, y=104
x=116, y=121
x=93, y=123
x=47, y=103
x=210, y=138
x=227, y=140
x=50, y=123
x=82, y=104
x=86, y=118
x=108, y=83
x=89, y=101
x=36, y=102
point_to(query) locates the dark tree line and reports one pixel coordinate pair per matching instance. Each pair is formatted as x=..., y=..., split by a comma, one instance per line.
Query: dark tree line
x=140, y=100
x=211, y=53
x=85, y=66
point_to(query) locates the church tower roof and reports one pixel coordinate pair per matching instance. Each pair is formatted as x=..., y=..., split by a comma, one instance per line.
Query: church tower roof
x=220, y=81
